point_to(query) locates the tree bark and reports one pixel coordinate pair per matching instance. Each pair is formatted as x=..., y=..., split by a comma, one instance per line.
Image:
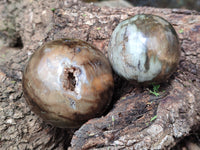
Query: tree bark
x=136, y=119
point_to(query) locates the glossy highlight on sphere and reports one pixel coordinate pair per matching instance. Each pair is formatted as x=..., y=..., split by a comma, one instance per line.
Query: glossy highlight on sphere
x=68, y=82
x=144, y=48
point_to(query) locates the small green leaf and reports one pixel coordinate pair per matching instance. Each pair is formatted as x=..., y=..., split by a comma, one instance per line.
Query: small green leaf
x=123, y=98
x=53, y=9
x=98, y=28
x=3, y=55
x=155, y=89
x=181, y=31
x=154, y=93
x=185, y=85
x=113, y=118
x=13, y=82
x=84, y=15
x=153, y=118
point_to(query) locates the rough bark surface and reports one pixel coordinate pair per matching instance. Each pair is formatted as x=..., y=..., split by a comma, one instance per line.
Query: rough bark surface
x=136, y=118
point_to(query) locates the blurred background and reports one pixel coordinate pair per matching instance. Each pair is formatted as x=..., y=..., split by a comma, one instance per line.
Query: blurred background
x=186, y=4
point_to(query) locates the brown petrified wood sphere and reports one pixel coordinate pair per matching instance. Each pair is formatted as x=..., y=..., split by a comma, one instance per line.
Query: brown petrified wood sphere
x=67, y=82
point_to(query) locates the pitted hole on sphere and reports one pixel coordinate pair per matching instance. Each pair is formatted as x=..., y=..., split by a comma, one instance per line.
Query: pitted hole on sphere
x=70, y=79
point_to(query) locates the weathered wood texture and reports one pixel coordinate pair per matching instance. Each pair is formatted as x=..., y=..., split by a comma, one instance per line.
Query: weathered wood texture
x=128, y=124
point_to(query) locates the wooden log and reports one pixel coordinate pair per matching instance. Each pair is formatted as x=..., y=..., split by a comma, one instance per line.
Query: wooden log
x=136, y=119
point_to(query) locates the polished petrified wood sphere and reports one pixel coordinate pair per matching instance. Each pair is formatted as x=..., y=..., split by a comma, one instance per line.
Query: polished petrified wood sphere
x=144, y=48
x=67, y=82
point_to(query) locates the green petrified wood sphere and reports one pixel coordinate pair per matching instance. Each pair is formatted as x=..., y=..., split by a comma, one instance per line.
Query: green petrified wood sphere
x=144, y=48
x=68, y=82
